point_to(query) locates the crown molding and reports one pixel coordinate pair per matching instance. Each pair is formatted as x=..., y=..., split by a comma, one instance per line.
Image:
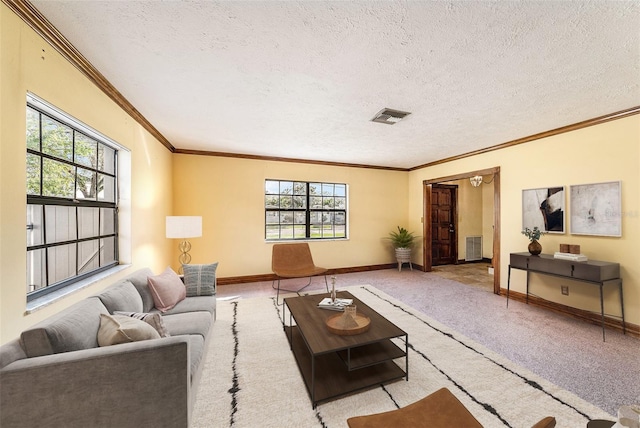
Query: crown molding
x=34, y=19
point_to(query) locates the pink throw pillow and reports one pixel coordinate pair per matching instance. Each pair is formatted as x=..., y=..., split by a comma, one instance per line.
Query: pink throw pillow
x=167, y=289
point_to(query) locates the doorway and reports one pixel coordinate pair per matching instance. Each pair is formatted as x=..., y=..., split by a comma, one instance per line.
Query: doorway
x=430, y=229
x=444, y=222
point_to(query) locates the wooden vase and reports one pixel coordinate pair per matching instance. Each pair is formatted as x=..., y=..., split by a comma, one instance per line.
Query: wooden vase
x=535, y=248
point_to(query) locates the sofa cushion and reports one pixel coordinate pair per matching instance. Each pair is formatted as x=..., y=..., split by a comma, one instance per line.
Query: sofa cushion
x=192, y=304
x=139, y=279
x=73, y=329
x=200, y=280
x=188, y=323
x=154, y=320
x=121, y=297
x=115, y=329
x=167, y=289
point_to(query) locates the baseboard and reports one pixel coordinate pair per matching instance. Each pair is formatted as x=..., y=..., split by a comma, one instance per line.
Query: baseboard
x=591, y=317
x=337, y=271
x=482, y=260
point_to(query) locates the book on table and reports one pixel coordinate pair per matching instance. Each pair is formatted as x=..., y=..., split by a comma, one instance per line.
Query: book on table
x=338, y=305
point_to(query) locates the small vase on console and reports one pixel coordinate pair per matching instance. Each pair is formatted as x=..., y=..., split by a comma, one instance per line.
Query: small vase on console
x=535, y=248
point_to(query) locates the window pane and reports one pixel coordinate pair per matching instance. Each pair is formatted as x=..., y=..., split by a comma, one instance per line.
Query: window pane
x=107, y=220
x=327, y=203
x=340, y=218
x=34, y=225
x=106, y=159
x=107, y=251
x=61, y=223
x=300, y=218
x=106, y=188
x=57, y=179
x=87, y=256
x=341, y=231
x=340, y=190
x=286, y=188
x=286, y=202
x=57, y=139
x=33, y=174
x=273, y=232
x=327, y=189
x=271, y=201
x=62, y=262
x=299, y=232
x=299, y=202
x=271, y=187
x=316, y=218
x=316, y=202
x=286, y=218
x=33, y=129
x=86, y=151
x=286, y=232
x=299, y=188
x=35, y=270
x=316, y=231
x=272, y=217
x=340, y=203
x=88, y=225
x=86, y=187
x=315, y=188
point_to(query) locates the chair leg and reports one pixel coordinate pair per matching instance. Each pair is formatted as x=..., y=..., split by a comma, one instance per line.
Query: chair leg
x=326, y=284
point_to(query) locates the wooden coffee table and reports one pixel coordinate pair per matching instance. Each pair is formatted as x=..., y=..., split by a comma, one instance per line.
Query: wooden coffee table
x=333, y=365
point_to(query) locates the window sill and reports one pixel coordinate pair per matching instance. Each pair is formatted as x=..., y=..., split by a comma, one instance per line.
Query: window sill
x=288, y=241
x=50, y=298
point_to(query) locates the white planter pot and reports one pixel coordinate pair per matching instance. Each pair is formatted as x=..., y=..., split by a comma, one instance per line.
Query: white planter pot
x=403, y=255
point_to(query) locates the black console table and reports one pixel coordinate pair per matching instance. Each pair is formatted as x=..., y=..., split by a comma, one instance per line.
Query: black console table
x=592, y=271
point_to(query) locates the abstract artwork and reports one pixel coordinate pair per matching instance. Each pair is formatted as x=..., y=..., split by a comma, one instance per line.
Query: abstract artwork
x=596, y=209
x=543, y=208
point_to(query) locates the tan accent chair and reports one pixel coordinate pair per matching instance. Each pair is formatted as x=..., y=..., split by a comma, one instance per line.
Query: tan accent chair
x=294, y=261
x=438, y=410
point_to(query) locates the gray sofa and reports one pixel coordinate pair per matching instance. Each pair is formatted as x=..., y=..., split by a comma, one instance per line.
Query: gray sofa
x=56, y=375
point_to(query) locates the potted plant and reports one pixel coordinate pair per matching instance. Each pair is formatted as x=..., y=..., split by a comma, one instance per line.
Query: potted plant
x=402, y=241
x=534, y=246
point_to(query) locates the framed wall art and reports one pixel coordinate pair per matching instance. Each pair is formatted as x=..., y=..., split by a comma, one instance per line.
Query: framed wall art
x=544, y=208
x=596, y=209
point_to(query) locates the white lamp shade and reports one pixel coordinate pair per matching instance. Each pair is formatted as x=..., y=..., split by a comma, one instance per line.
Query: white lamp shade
x=184, y=226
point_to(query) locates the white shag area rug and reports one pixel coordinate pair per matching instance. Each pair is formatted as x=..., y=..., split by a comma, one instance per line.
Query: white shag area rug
x=251, y=378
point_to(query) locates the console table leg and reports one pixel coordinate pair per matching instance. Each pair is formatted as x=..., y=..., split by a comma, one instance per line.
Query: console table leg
x=508, y=284
x=527, y=296
x=624, y=327
x=602, y=311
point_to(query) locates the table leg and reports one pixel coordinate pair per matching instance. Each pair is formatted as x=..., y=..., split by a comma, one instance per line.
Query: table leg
x=624, y=328
x=508, y=284
x=602, y=310
x=527, y=296
x=406, y=355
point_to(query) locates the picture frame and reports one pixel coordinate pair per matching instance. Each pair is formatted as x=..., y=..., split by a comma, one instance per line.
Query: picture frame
x=544, y=208
x=596, y=209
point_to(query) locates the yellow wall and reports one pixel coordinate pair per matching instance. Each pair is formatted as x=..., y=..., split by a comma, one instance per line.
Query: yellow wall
x=229, y=194
x=28, y=63
x=606, y=152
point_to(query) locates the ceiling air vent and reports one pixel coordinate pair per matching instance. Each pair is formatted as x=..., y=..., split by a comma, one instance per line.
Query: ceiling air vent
x=389, y=116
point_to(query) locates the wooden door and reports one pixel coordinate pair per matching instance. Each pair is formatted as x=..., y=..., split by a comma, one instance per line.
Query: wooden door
x=444, y=237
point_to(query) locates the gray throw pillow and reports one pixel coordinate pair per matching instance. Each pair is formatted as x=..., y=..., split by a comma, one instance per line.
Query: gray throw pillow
x=200, y=280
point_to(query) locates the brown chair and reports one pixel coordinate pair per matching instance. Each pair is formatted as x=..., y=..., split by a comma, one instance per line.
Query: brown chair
x=294, y=261
x=438, y=410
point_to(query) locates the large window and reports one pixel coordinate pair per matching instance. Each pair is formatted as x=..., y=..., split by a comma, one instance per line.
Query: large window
x=72, y=212
x=302, y=210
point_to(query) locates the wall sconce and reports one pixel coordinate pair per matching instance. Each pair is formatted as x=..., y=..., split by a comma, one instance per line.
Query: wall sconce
x=183, y=227
x=476, y=180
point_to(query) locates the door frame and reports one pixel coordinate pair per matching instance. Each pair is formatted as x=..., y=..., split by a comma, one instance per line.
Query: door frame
x=426, y=224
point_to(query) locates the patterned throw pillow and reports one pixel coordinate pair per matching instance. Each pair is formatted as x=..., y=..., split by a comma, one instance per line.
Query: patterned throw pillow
x=200, y=280
x=154, y=320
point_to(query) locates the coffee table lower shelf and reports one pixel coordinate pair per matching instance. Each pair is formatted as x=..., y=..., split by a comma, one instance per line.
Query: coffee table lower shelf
x=332, y=377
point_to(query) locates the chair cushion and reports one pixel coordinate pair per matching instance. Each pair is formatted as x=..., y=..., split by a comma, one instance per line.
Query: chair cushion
x=293, y=261
x=167, y=289
x=200, y=280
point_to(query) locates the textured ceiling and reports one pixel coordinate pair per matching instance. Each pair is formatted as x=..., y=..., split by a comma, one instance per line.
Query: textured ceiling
x=302, y=79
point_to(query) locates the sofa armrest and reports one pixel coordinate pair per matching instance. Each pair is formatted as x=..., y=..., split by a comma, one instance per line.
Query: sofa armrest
x=129, y=385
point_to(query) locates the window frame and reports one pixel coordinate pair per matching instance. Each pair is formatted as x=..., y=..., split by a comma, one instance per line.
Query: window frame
x=307, y=210
x=77, y=204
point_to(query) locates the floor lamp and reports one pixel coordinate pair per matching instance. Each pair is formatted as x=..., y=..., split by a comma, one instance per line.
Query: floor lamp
x=183, y=227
